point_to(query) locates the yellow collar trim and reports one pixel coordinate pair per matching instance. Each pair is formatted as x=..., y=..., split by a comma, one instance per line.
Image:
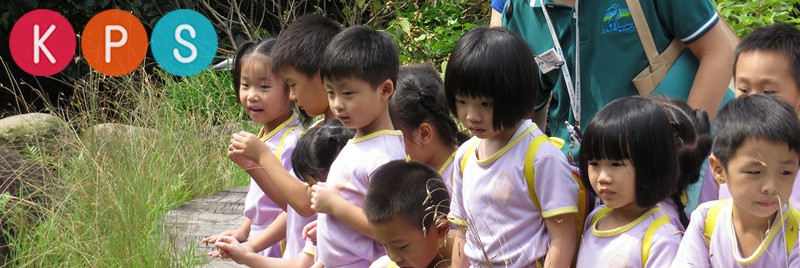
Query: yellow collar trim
x=505, y=149
x=624, y=228
x=377, y=133
x=773, y=230
x=269, y=135
x=447, y=163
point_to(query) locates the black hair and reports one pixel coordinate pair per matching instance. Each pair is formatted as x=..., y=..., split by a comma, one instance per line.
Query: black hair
x=302, y=44
x=411, y=190
x=782, y=38
x=419, y=98
x=494, y=63
x=636, y=129
x=692, y=129
x=363, y=53
x=262, y=48
x=756, y=116
x=317, y=148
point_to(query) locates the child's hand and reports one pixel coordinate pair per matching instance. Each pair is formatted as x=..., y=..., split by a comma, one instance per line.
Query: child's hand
x=248, y=145
x=237, y=234
x=310, y=231
x=229, y=247
x=241, y=160
x=324, y=198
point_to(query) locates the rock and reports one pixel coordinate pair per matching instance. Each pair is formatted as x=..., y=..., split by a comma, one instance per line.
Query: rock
x=18, y=130
x=26, y=190
x=203, y=217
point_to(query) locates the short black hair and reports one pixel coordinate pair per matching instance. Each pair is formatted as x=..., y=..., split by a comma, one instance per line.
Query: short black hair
x=756, y=116
x=494, y=63
x=262, y=48
x=302, y=44
x=636, y=129
x=411, y=190
x=418, y=98
x=692, y=128
x=782, y=38
x=363, y=53
x=317, y=148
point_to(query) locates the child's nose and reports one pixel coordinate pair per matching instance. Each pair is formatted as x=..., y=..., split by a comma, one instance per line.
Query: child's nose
x=292, y=97
x=394, y=256
x=770, y=187
x=336, y=103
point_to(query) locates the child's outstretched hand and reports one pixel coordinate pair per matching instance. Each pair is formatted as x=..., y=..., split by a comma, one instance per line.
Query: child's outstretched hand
x=325, y=198
x=248, y=145
x=229, y=247
x=310, y=231
x=241, y=160
x=236, y=234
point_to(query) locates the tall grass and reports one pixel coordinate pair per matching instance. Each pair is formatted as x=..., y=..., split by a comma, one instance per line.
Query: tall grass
x=119, y=185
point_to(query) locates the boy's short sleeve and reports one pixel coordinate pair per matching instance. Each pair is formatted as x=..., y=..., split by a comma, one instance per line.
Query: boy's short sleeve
x=686, y=19
x=693, y=251
x=556, y=190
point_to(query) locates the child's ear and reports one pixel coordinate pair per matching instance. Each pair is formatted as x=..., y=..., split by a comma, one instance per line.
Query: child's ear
x=717, y=169
x=387, y=89
x=442, y=227
x=425, y=133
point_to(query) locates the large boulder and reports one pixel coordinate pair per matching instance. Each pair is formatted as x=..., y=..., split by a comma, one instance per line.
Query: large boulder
x=26, y=190
x=33, y=128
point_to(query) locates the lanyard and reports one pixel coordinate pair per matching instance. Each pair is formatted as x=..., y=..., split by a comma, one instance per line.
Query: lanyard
x=573, y=89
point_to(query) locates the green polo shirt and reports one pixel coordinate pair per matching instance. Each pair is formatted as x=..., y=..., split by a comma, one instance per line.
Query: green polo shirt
x=611, y=53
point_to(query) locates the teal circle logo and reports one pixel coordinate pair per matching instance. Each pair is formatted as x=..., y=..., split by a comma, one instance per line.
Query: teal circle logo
x=184, y=42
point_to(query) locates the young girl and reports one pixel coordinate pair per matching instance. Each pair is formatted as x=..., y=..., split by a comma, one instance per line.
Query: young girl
x=693, y=145
x=489, y=86
x=756, y=152
x=629, y=157
x=311, y=160
x=419, y=110
x=264, y=95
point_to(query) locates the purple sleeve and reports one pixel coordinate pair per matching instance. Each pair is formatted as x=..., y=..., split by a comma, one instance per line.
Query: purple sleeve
x=693, y=251
x=457, y=215
x=664, y=247
x=555, y=188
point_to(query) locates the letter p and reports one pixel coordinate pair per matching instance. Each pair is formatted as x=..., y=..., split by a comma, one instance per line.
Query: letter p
x=119, y=43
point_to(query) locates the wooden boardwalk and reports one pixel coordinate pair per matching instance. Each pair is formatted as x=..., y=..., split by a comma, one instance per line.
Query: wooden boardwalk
x=203, y=217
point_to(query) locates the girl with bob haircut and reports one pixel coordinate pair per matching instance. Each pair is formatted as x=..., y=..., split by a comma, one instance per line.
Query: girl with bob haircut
x=490, y=86
x=629, y=157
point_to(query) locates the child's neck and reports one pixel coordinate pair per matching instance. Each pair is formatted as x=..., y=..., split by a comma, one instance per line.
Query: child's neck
x=490, y=146
x=272, y=125
x=749, y=230
x=621, y=216
x=381, y=122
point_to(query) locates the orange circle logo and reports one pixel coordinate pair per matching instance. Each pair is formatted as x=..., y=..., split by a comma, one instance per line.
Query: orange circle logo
x=114, y=42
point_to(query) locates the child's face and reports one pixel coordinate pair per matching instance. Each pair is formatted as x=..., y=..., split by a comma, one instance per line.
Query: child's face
x=476, y=114
x=766, y=72
x=406, y=245
x=262, y=93
x=760, y=175
x=614, y=181
x=306, y=91
x=358, y=104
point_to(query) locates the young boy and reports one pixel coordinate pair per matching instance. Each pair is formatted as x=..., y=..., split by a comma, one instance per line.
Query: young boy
x=298, y=56
x=756, y=152
x=359, y=70
x=407, y=205
x=768, y=61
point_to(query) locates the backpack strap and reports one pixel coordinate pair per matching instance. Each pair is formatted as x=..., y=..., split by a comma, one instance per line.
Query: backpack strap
x=711, y=220
x=279, y=150
x=647, y=240
x=530, y=172
x=790, y=231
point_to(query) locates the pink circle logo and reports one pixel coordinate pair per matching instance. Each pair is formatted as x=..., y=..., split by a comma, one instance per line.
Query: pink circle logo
x=42, y=42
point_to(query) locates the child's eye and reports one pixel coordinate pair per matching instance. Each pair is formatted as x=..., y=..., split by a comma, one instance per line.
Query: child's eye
x=787, y=173
x=330, y=92
x=460, y=101
x=743, y=90
x=593, y=163
x=347, y=93
x=487, y=104
x=265, y=87
x=770, y=92
x=245, y=85
x=752, y=172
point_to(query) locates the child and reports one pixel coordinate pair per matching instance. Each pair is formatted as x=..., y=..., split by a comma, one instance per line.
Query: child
x=407, y=205
x=756, y=152
x=768, y=61
x=629, y=157
x=419, y=110
x=298, y=55
x=488, y=84
x=359, y=70
x=265, y=96
x=313, y=155
x=693, y=145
